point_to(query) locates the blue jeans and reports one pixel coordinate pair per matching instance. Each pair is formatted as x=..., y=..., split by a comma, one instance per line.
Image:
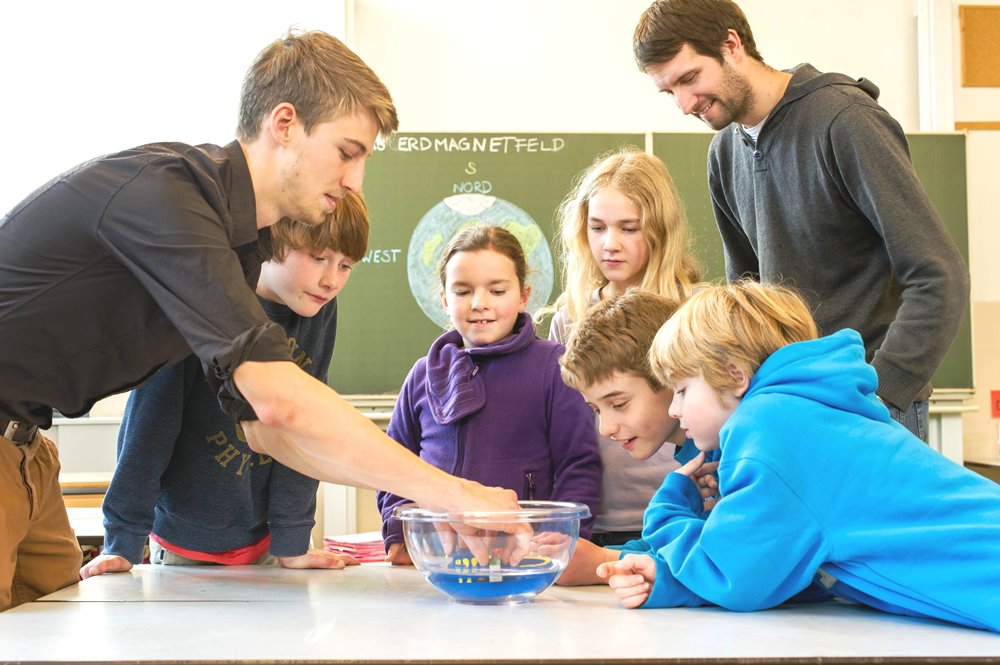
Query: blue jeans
x=914, y=419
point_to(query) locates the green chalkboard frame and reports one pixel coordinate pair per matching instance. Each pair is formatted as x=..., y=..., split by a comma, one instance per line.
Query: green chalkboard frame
x=939, y=160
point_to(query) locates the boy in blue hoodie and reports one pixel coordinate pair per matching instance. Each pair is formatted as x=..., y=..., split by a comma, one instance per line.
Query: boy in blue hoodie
x=816, y=481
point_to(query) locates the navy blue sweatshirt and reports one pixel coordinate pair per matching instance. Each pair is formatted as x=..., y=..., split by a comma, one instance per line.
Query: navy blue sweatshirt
x=186, y=473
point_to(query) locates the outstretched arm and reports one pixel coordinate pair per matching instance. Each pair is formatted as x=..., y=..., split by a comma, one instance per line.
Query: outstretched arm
x=307, y=426
x=583, y=566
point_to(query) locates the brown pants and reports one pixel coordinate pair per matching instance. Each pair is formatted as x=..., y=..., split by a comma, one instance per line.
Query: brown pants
x=39, y=553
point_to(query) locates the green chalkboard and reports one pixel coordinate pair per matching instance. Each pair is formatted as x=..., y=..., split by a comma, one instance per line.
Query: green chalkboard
x=420, y=189
x=389, y=312
x=939, y=160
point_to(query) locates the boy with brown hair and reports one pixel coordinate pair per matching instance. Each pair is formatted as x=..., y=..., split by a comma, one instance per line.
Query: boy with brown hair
x=607, y=360
x=817, y=482
x=186, y=476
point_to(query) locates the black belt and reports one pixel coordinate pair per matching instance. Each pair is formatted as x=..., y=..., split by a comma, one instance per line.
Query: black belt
x=17, y=431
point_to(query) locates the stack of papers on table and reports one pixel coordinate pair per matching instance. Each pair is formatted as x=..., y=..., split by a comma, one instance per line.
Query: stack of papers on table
x=365, y=547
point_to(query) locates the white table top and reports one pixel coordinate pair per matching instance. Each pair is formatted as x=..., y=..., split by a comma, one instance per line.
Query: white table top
x=376, y=613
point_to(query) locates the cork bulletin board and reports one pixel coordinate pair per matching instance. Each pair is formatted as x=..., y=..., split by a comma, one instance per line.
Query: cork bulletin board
x=980, y=35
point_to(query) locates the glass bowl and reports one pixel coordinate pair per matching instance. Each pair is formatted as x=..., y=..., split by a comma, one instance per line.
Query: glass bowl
x=493, y=558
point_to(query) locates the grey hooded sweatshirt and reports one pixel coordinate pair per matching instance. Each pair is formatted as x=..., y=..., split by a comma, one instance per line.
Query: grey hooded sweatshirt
x=827, y=201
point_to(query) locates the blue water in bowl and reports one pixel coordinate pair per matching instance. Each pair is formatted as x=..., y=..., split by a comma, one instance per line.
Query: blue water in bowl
x=466, y=581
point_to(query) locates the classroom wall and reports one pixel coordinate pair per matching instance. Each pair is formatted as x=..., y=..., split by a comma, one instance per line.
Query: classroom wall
x=566, y=66
x=84, y=79
x=943, y=103
x=982, y=430
x=973, y=104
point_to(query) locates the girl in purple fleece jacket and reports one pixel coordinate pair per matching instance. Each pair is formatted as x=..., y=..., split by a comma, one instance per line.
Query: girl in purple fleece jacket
x=534, y=434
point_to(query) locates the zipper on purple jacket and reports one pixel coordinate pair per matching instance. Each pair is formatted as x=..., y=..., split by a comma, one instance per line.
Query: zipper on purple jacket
x=529, y=486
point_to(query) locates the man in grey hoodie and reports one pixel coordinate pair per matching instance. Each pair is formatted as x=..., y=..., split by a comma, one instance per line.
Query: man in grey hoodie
x=812, y=186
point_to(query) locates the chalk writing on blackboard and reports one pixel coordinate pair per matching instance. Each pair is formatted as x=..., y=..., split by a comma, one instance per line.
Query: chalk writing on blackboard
x=472, y=187
x=382, y=255
x=487, y=144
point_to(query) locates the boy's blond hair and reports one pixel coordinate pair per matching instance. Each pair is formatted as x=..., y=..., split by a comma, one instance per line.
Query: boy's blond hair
x=725, y=329
x=615, y=336
x=320, y=77
x=344, y=230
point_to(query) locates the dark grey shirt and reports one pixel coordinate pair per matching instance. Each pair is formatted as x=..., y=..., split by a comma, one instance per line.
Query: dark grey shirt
x=126, y=264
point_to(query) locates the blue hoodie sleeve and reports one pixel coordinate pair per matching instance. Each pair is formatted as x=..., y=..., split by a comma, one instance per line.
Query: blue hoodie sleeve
x=404, y=428
x=146, y=440
x=758, y=546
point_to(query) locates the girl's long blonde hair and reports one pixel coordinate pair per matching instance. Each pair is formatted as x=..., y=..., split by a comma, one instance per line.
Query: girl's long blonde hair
x=644, y=180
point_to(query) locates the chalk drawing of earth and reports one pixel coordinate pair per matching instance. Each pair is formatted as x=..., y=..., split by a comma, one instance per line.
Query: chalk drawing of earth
x=450, y=216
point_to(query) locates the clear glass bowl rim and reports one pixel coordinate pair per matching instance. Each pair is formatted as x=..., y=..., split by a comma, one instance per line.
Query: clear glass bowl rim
x=531, y=511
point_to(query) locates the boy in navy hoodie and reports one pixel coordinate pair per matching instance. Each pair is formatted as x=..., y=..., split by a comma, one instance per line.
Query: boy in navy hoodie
x=186, y=476
x=816, y=481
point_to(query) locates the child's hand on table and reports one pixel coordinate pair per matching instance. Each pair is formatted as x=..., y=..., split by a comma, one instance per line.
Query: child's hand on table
x=631, y=577
x=105, y=563
x=398, y=556
x=314, y=558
